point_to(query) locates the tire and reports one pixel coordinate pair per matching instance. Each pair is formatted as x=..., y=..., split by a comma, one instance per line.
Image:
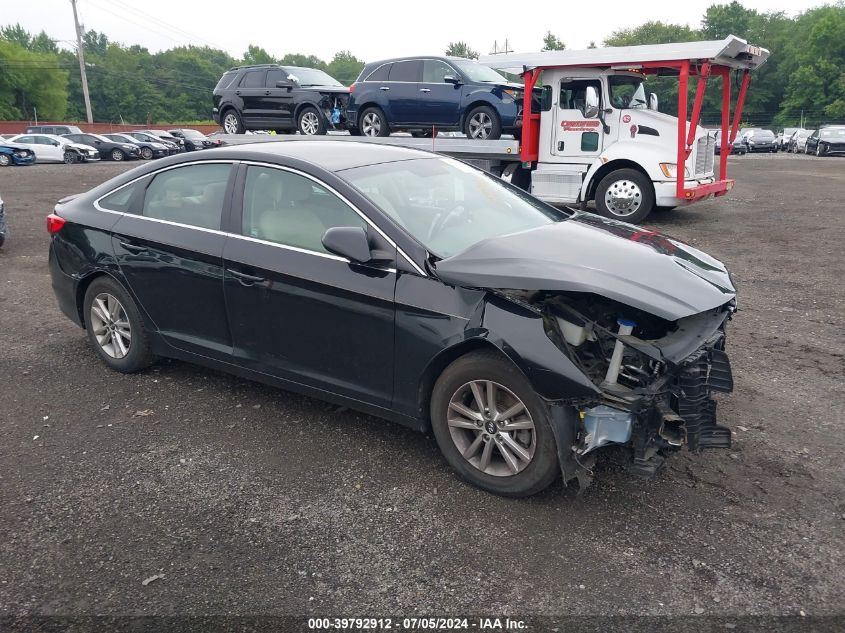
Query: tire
x=310, y=122
x=117, y=155
x=532, y=475
x=483, y=124
x=231, y=122
x=136, y=348
x=373, y=123
x=625, y=183
x=819, y=151
x=69, y=158
x=146, y=153
x=5, y=160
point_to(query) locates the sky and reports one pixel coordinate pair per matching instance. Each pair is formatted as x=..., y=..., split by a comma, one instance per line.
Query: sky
x=370, y=29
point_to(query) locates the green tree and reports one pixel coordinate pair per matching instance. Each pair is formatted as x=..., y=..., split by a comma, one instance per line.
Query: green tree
x=652, y=33
x=345, y=67
x=95, y=43
x=460, y=49
x=552, y=43
x=257, y=55
x=721, y=20
x=307, y=61
x=30, y=81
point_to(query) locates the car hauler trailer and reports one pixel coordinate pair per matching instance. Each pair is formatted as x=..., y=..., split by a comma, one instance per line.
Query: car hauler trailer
x=589, y=132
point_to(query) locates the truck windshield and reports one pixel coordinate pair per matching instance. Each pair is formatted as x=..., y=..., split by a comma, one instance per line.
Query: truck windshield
x=446, y=205
x=627, y=92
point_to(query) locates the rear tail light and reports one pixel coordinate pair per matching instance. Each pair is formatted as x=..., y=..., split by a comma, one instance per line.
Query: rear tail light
x=54, y=223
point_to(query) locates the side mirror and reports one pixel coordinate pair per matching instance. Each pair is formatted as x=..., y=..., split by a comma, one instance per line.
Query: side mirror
x=284, y=84
x=348, y=241
x=451, y=79
x=652, y=101
x=591, y=103
x=97, y=142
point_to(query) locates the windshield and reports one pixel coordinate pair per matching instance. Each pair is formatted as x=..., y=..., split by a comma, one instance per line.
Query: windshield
x=627, y=92
x=836, y=132
x=312, y=77
x=763, y=135
x=447, y=205
x=476, y=72
x=192, y=134
x=100, y=137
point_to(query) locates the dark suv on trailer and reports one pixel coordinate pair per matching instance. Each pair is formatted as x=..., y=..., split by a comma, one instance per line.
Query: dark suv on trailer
x=280, y=98
x=425, y=93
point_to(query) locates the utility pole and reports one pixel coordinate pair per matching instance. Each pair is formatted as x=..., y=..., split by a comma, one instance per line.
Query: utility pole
x=81, y=54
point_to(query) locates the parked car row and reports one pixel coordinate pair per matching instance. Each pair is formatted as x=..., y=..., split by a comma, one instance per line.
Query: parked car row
x=68, y=144
x=825, y=141
x=414, y=94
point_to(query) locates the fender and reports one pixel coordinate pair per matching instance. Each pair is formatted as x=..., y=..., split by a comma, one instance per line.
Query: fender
x=645, y=155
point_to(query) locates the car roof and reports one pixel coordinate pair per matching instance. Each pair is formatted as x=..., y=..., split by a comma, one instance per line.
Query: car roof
x=331, y=155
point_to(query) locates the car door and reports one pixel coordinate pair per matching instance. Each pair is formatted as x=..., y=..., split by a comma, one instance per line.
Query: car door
x=296, y=311
x=576, y=136
x=440, y=102
x=48, y=148
x=251, y=91
x=171, y=254
x=277, y=103
x=404, y=93
x=812, y=142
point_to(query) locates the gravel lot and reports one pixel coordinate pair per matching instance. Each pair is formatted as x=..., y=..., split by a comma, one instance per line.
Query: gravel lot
x=250, y=500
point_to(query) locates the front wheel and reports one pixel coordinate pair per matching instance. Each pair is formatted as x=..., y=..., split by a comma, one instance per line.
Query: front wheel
x=118, y=155
x=626, y=195
x=374, y=123
x=5, y=161
x=115, y=327
x=492, y=427
x=482, y=124
x=69, y=158
x=820, y=150
x=146, y=153
x=310, y=123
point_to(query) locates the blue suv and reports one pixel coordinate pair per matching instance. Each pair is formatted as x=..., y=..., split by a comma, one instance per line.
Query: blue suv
x=420, y=93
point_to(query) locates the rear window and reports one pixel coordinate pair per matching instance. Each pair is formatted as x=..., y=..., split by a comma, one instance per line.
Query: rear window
x=379, y=74
x=253, y=79
x=226, y=80
x=406, y=71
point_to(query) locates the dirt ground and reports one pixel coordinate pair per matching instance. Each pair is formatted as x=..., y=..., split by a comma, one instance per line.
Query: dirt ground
x=249, y=500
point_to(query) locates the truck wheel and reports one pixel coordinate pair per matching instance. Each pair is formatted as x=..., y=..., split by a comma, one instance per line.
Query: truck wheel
x=232, y=123
x=482, y=124
x=626, y=195
x=374, y=123
x=310, y=123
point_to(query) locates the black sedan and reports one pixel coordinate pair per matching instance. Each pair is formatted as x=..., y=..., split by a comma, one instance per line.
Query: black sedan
x=172, y=148
x=167, y=136
x=149, y=149
x=826, y=141
x=194, y=140
x=410, y=286
x=108, y=149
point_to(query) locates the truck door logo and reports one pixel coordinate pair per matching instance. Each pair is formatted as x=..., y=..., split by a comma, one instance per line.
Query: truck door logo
x=626, y=118
x=578, y=126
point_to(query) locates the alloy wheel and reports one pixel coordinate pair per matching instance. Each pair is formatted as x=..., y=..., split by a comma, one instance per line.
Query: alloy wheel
x=480, y=125
x=491, y=428
x=146, y=153
x=371, y=124
x=309, y=123
x=116, y=155
x=230, y=123
x=5, y=160
x=110, y=325
x=69, y=158
x=623, y=198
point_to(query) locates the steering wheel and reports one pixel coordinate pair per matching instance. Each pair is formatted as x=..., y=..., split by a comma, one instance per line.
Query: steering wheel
x=443, y=220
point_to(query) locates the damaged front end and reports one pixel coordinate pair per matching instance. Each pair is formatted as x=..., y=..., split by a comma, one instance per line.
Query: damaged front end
x=656, y=378
x=332, y=104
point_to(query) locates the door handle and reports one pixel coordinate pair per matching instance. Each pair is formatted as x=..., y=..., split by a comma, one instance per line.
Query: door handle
x=133, y=248
x=384, y=88
x=246, y=280
x=266, y=92
x=425, y=89
x=237, y=92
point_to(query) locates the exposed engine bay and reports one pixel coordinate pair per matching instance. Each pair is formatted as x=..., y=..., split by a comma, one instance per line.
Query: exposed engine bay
x=656, y=378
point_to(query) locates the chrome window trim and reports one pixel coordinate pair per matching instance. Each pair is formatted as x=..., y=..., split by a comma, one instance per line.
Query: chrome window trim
x=360, y=213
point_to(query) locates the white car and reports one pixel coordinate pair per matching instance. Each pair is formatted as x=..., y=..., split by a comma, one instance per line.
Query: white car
x=50, y=148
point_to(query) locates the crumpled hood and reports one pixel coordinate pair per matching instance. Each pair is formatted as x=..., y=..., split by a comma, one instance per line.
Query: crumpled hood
x=589, y=253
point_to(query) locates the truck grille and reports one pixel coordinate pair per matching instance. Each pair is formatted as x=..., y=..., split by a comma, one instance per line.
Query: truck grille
x=705, y=151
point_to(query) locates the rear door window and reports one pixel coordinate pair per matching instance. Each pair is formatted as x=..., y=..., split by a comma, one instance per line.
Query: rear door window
x=191, y=195
x=409, y=71
x=253, y=79
x=380, y=74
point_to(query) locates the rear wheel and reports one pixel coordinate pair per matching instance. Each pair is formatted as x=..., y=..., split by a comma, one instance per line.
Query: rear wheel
x=232, y=123
x=626, y=195
x=482, y=123
x=491, y=426
x=115, y=327
x=310, y=123
x=146, y=153
x=374, y=123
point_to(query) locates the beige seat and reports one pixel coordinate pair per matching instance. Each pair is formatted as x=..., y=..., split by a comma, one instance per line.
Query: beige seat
x=285, y=213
